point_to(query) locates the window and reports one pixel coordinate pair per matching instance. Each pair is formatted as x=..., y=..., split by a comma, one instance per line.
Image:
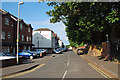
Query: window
x=27, y=38
x=3, y=35
x=28, y=29
x=7, y=21
x=28, y=47
x=9, y=35
x=8, y=49
x=22, y=37
x=37, y=37
x=30, y=38
x=21, y=26
x=24, y=47
x=41, y=37
x=12, y=25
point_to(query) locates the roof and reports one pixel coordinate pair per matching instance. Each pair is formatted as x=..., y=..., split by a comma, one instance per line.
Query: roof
x=14, y=17
x=3, y=11
x=43, y=29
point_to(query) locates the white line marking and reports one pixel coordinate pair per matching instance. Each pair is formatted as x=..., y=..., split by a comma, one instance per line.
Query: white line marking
x=64, y=75
x=68, y=64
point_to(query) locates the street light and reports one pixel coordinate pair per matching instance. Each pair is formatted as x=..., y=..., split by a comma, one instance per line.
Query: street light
x=20, y=3
x=107, y=47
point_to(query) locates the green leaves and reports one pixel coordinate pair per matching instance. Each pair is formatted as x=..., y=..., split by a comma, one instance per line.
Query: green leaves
x=113, y=17
x=86, y=22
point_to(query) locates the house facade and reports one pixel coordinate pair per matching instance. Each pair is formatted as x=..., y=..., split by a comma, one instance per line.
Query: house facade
x=44, y=38
x=8, y=33
x=60, y=43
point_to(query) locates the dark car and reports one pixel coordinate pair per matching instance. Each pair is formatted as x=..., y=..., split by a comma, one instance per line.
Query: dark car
x=81, y=51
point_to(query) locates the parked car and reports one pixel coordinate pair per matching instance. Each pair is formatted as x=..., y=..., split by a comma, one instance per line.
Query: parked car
x=28, y=54
x=9, y=54
x=62, y=49
x=81, y=51
x=44, y=51
x=57, y=51
x=40, y=51
x=3, y=56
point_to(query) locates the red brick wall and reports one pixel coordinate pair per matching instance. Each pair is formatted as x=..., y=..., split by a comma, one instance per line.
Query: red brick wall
x=8, y=28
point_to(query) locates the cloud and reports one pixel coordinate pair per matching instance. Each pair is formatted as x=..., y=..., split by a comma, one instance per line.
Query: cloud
x=58, y=28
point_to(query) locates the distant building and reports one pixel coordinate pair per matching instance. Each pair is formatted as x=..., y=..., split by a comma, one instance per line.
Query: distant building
x=8, y=34
x=60, y=43
x=56, y=41
x=44, y=38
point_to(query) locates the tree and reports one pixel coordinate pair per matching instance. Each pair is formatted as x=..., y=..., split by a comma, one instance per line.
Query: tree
x=86, y=22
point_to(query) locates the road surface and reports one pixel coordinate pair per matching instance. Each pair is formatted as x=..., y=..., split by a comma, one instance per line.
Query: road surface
x=67, y=65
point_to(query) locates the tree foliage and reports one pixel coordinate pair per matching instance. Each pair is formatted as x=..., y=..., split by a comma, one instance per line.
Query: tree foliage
x=86, y=22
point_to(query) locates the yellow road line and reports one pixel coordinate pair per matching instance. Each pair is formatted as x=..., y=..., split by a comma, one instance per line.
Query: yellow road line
x=100, y=71
x=24, y=72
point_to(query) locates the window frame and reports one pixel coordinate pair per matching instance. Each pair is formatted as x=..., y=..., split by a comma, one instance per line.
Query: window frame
x=21, y=26
x=6, y=21
x=9, y=35
x=27, y=38
x=3, y=35
x=23, y=38
x=29, y=29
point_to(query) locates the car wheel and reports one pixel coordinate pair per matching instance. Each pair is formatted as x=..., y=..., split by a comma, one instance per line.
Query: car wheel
x=31, y=57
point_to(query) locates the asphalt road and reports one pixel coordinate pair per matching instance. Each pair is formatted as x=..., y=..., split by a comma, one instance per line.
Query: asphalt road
x=67, y=65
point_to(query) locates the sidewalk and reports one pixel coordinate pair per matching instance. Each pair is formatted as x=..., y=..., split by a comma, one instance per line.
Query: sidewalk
x=17, y=68
x=28, y=64
x=107, y=66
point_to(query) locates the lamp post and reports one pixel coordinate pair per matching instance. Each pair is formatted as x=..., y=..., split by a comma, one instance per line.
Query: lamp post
x=107, y=47
x=20, y=3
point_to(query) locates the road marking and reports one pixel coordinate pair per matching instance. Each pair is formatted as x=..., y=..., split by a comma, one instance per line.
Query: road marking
x=68, y=62
x=100, y=71
x=24, y=72
x=64, y=75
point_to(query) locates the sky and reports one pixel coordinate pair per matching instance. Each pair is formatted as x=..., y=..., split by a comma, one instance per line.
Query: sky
x=34, y=13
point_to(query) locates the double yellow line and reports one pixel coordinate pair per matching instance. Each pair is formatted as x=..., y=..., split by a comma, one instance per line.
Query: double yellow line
x=100, y=71
x=22, y=73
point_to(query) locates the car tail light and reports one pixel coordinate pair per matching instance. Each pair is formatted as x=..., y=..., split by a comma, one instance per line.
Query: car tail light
x=77, y=51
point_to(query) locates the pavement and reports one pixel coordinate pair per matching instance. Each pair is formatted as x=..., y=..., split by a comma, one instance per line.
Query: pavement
x=106, y=66
x=27, y=65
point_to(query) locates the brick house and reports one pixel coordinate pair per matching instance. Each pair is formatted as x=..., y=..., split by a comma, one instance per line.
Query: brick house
x=8, y=34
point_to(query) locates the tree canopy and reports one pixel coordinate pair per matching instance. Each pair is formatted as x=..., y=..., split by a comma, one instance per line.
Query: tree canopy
x=87, y=22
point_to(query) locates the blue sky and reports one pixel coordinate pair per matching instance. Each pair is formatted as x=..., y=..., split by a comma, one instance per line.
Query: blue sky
x=35, y=13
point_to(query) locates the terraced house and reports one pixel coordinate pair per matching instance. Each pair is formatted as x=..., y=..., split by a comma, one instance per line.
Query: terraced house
x=8, y=34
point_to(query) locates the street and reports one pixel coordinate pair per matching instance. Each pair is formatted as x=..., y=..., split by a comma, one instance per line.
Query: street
x=62, y=66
